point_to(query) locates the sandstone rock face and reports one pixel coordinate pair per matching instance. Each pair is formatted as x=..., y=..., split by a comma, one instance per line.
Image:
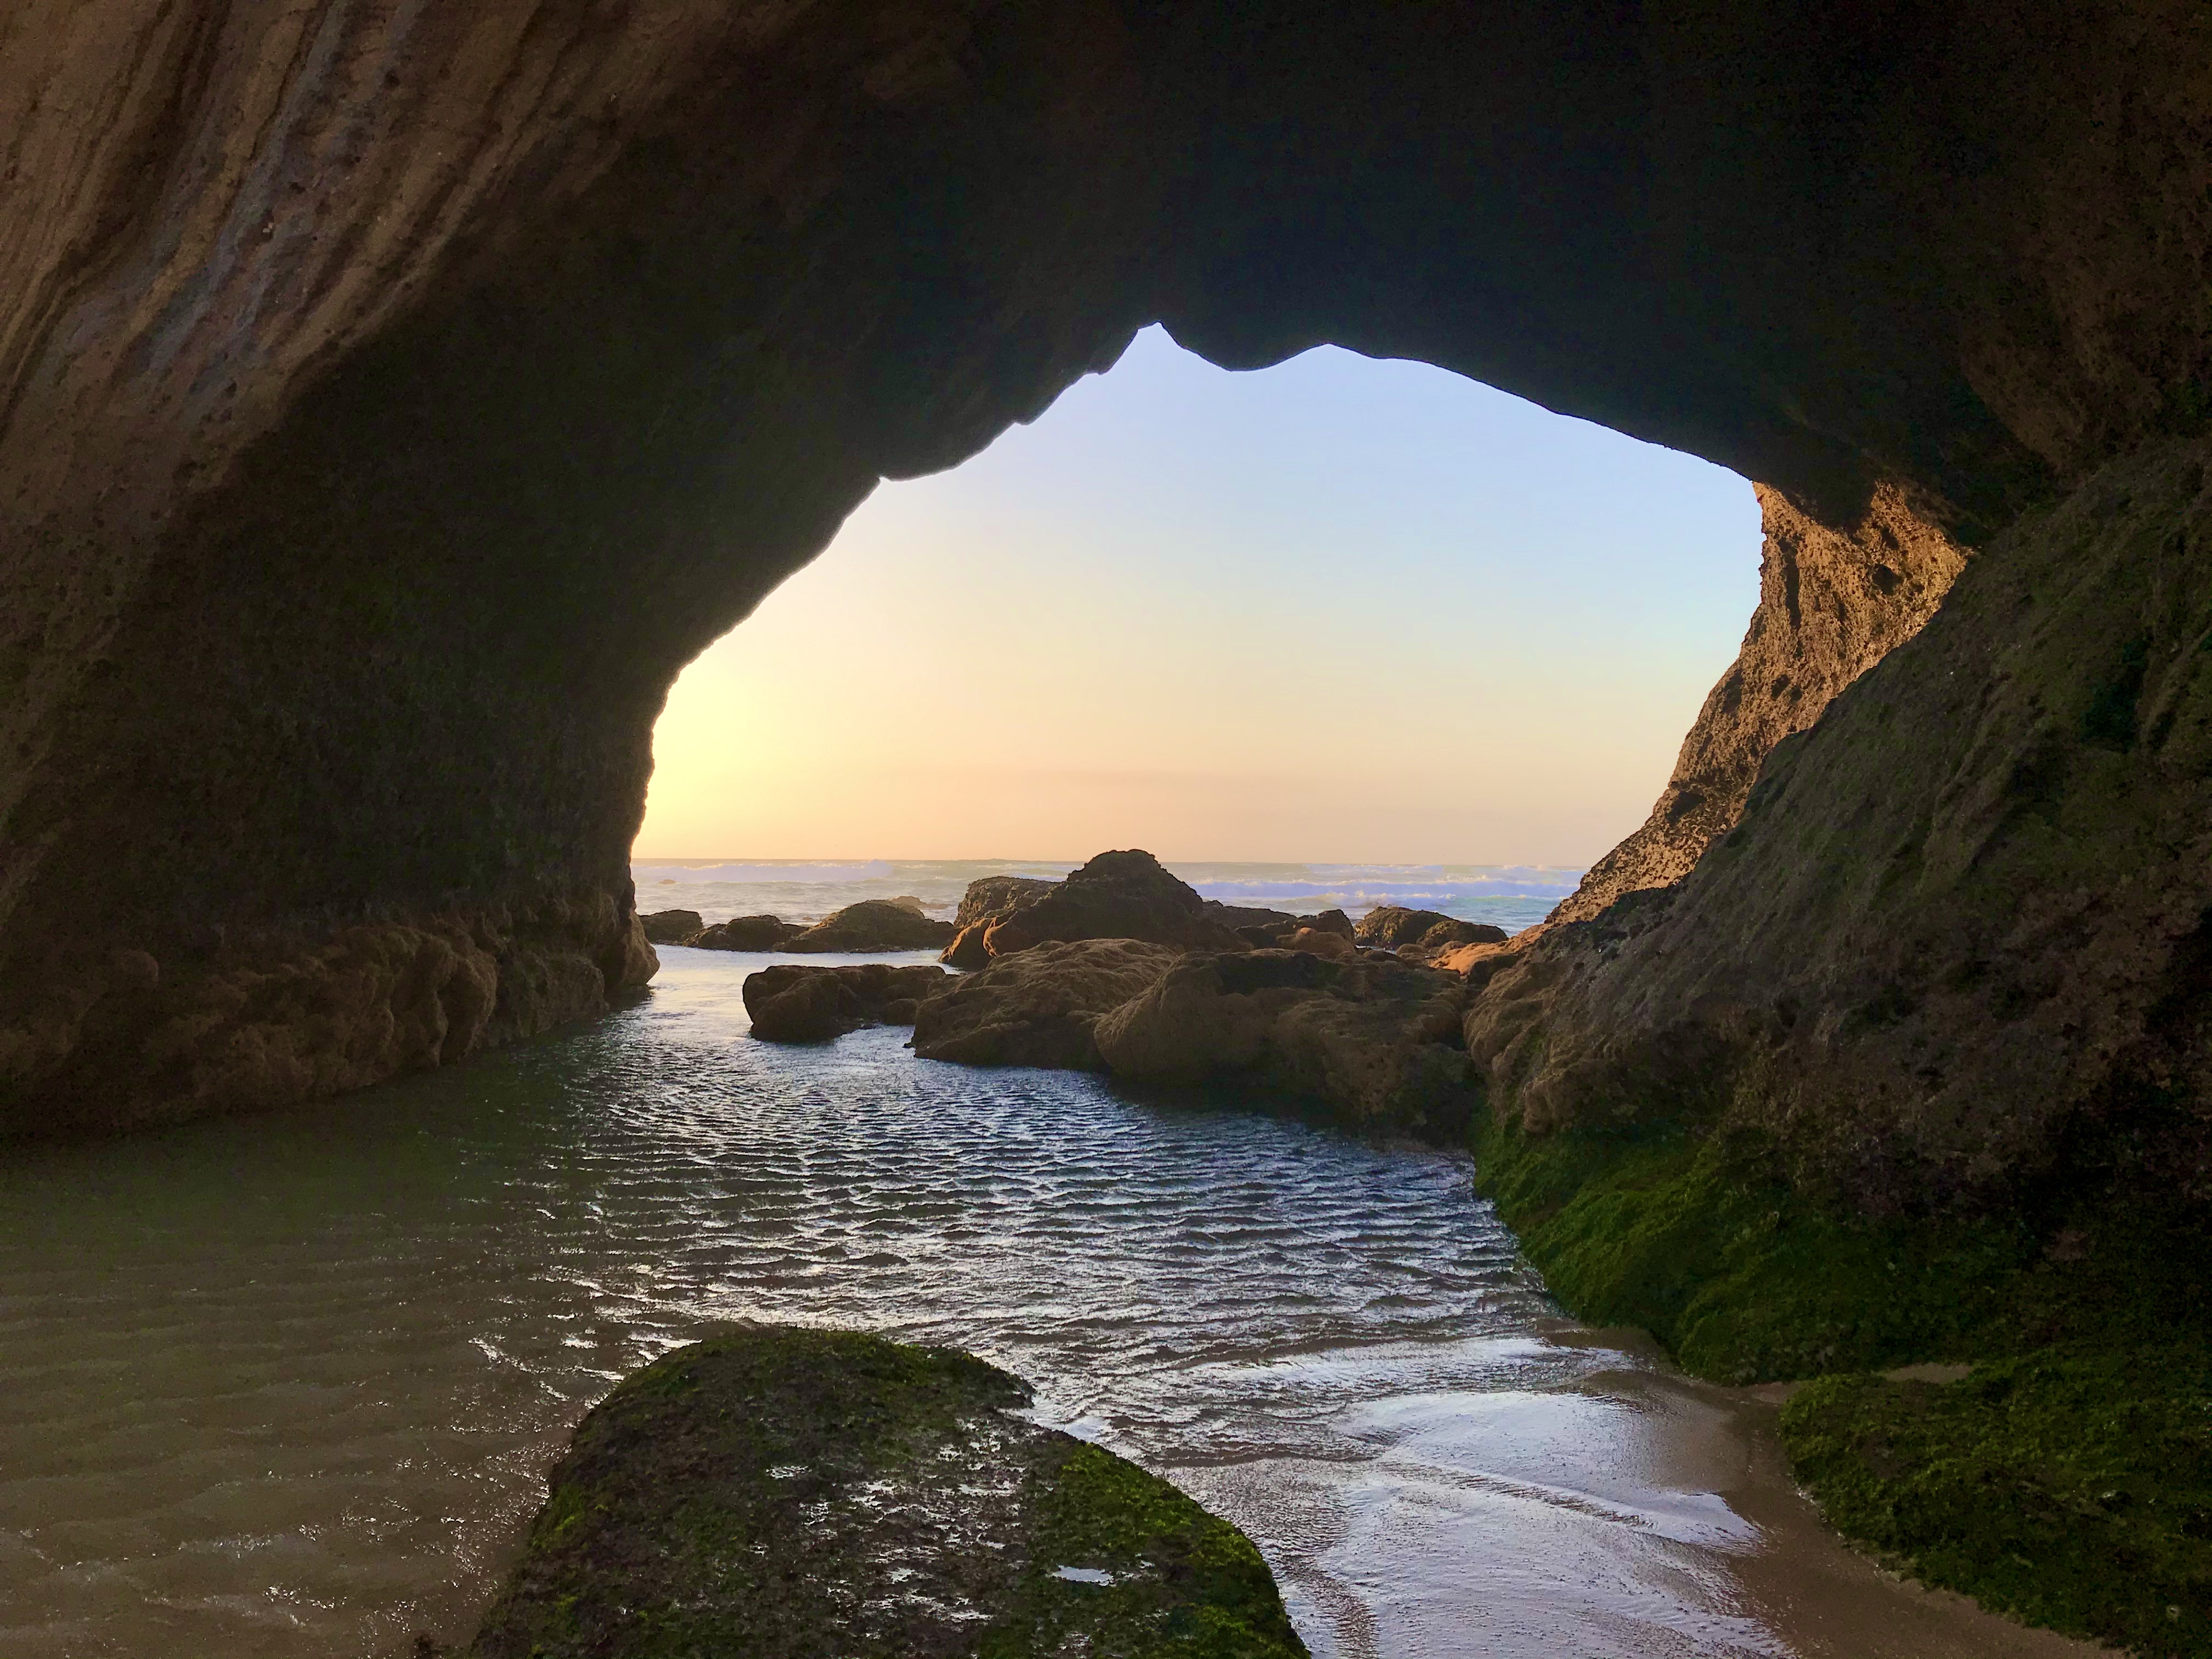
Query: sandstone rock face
x=1392, y=926
x=872, y=925
x=886, y=1502
x=989, y=898
x=1964, y=915
x=673, y=926
x=796, y=1002
x=1118, y=895
x=986, y=900
x=1831, y=603
x=358, y=370
x=1036, y=1007
x=1374, y=1039
x=747, y=934
x=118, y=1043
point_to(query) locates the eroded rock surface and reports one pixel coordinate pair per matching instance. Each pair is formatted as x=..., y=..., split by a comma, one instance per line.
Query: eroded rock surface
x=1962, y=927
x=1116, y=896
x=1392, y=927
x=747, y=934
x=1831, y=603
x=1036, y=1007
x=873, y=924
x=986, y=900
x=1376, y=1040
x=797, y=1002
x=673, y=926
x=794, y=1493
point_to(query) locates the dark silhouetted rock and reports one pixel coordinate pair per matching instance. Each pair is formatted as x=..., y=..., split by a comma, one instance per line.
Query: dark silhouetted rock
x=781, y=1493
x=747, y=934
x=1374, y=1039
x=873, y=925
x=1318, y=941
x=1036, y=1007
x=797, y=1002
x=1124, y=895
x=671, y=926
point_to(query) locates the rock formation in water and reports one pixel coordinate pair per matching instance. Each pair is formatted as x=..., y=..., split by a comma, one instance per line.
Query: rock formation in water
x=1377, y=1041
x=1123, y=895
x=873, y=924
x=789, y=1493
x=746, y=934
x=673, y=926
x=797, y=1002
x=1036, y=1007
x=986, y=899
x=1393, y=927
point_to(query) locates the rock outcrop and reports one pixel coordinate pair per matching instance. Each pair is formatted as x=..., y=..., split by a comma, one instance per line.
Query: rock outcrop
x=747, y=934
x=790, y=1493
x=1036, y=1007
x=1392, y=927
x=797, y=1002
x=1832, y=602
x=1377, y=1041
x=1118, y=895
x=873, y=924
x=986, y=899
x=1964, y=915
x=671, y=926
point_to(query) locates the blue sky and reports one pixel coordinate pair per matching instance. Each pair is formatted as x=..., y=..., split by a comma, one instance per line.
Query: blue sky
x=1339, y=609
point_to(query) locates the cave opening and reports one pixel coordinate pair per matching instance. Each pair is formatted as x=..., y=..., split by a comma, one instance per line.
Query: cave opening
x=1342, y=610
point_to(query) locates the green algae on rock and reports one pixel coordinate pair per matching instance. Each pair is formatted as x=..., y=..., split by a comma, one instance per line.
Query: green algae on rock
x=783, y=1492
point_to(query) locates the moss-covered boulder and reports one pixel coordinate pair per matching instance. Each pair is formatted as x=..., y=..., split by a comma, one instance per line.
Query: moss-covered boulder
x=780, y=1491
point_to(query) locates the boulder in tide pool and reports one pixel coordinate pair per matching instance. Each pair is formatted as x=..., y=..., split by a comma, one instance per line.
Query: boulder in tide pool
x=1374, y=1039
x=746, y=934
x=1036, y=1007
x=874, y=925
x=1124, y=895
x=801, y=1494
x=1395, y=927
x=671, y=926
x=796, y=1002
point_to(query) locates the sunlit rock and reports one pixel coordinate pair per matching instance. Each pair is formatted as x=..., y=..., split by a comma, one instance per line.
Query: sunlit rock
x=1036, y=1007
x=873, y=924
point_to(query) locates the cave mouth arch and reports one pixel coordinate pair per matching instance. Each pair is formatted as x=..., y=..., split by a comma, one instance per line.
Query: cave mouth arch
x=1337, y=610
x=350, y=410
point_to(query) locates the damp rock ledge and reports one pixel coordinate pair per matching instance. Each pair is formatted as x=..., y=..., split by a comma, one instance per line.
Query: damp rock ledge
x=779, y=1492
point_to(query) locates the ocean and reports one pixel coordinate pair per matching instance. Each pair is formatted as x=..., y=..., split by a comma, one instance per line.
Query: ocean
x=1511, y=896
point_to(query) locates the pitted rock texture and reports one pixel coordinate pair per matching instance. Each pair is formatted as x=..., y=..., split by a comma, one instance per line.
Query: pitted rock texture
x=1831, y=603
x=673, y=926
x=1120, y=895
x=797, y=1002
x=1036, y=1007
x=873, y=924
x=1958, y=944
x=791, y=1494
x=360, y=370
x=1377, y=1041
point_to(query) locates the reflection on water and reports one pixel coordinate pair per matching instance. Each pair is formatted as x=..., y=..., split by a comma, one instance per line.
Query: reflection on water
x=289, y=1385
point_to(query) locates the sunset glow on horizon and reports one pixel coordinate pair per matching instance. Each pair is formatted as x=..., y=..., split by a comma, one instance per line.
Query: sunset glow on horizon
x=1341, y=610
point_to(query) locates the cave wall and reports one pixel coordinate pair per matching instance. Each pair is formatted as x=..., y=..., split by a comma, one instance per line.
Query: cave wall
x=391, y=402
x=1833, y=600
x=1957, y=947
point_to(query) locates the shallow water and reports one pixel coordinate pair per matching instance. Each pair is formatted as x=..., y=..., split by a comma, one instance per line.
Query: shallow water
x=289, y=1385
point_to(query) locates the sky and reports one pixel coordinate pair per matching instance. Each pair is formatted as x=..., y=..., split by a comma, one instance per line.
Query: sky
x=1342, y=610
